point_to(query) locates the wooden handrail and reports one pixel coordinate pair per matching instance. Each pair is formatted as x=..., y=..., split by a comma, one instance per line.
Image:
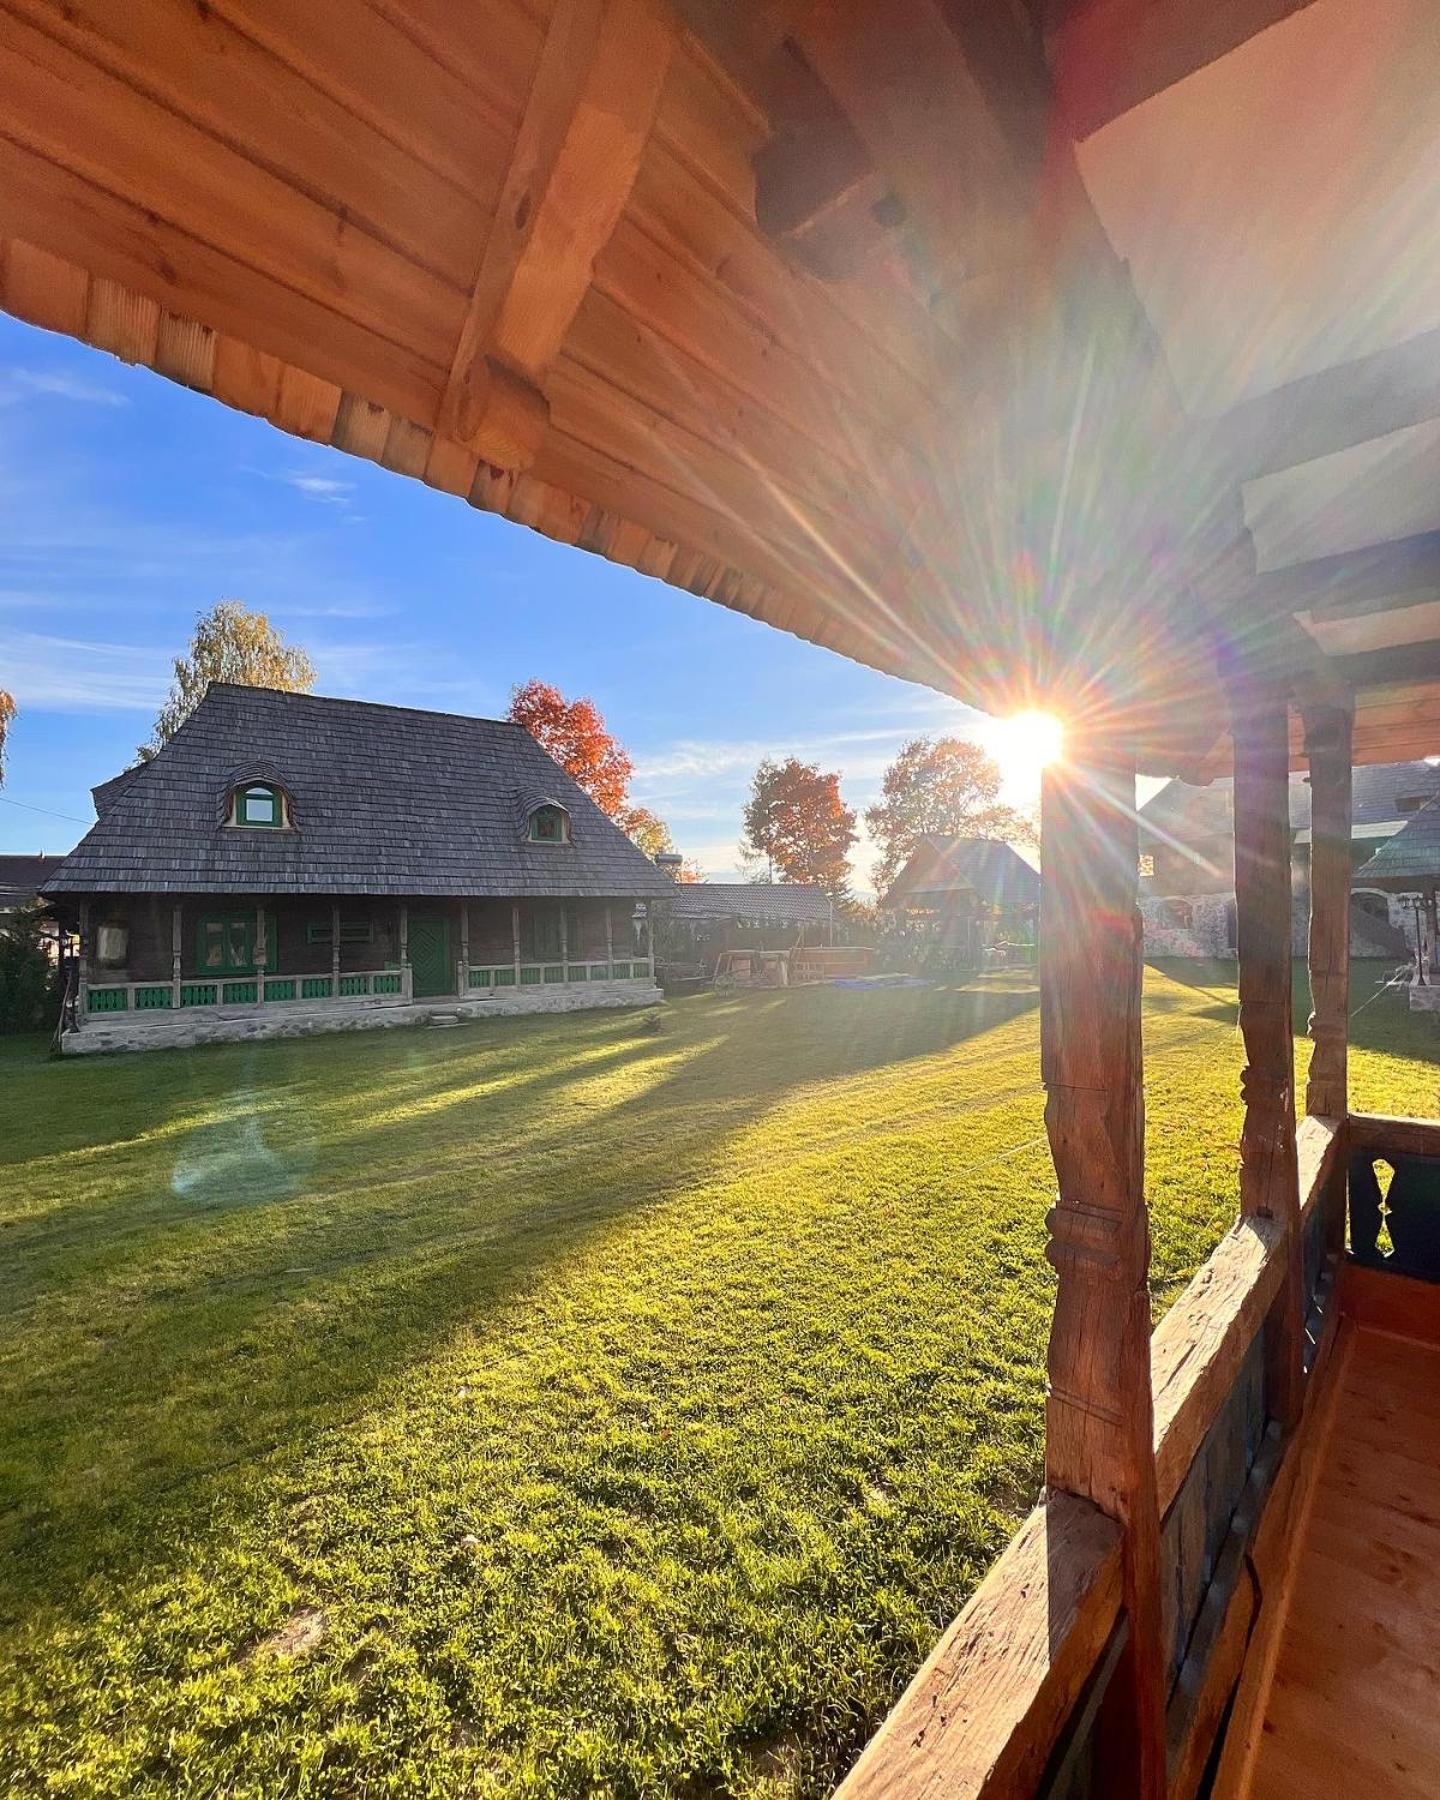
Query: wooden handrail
x=982, y=1716
x=1379, y=1132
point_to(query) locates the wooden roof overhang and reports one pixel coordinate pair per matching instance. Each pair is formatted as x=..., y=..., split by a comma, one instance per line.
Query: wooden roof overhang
x=972, y=342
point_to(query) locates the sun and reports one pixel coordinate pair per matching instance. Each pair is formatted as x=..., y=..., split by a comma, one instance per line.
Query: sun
x=1023, y=745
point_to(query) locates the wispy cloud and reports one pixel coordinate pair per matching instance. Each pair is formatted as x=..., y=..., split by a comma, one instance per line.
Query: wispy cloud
x=56, y=384
x=327, y=489
x=77, y=675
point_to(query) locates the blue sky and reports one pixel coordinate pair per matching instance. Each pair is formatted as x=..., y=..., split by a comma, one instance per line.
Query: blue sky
x=130, y=504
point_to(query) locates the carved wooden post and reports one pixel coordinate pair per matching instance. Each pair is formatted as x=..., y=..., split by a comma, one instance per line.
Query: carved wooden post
x=1099, y=1414
x=335, y=952
x=1269, y=1170
x=464, y=972
x=405, y=976
x=260, y=953
x=175, y=941
x=1328, y=732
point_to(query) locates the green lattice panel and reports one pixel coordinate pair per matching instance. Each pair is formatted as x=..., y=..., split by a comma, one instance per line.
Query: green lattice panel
x=480, y=977
x=386, y=984
x=554, y=973
x=152, y=999
x=199, y=993
x=351, y=986
x=577, y=972
x=504, y=978
x=530, y=977
x=284, y=989
x=239, y=993
x=107, y=1000
x=620, y=971
x=315, y=987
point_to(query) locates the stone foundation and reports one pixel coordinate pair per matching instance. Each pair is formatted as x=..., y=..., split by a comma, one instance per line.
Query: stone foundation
x=1424, y=999
x=165, y=1030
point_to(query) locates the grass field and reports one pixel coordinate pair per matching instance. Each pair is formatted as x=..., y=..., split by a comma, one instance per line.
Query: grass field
x=553, y=1406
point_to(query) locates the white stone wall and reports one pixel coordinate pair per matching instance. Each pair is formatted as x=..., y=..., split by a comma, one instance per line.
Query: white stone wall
x=1197, y=926
x=238, y=1024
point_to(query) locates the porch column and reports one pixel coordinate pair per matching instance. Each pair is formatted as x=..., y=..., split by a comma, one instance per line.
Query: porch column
x=82, y=975
x=1098, y=1411
x=650, y=938
x=1269, y=1170
x=515, y=938
x=335, y=952
x=565, y=939
x=175, y=939
x=464, y=948
x=404, y=952
x=260, y=958
x=609, y=944
x=1328, y=734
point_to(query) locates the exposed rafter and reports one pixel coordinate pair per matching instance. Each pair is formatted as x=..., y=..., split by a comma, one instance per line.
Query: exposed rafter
x=1329, y=411
x=589, y=114
x=1355, y=582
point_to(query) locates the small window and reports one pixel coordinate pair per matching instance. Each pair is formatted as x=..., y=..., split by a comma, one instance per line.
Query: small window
x=352, y=931
x=549, y=825
x=259, y=804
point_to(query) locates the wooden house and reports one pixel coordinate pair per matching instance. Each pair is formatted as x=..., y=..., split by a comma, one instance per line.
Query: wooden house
x=965, y=895
x=1080, y=355
x=289, y=864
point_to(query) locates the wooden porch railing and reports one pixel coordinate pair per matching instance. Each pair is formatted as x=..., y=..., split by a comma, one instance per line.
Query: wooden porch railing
x=106, y=998
x=1102, y=1653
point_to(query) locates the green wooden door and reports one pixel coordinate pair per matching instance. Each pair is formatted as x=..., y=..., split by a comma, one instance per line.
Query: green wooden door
x=430, y=969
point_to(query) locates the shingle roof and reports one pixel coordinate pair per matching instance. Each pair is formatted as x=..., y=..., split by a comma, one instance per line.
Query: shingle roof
x=996, y=871
x=1413, y=854
x=779, y=902
x=387, y=801
x=22, y=877
x=1377, y=790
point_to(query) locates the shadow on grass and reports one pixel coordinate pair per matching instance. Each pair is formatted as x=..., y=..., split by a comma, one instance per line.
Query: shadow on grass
x=212, y=1255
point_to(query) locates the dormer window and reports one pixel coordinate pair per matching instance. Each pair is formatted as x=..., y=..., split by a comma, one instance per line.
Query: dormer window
x=259, y=804
x=549, y=825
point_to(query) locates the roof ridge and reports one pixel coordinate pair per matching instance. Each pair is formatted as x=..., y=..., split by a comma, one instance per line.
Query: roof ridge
x=423, y=712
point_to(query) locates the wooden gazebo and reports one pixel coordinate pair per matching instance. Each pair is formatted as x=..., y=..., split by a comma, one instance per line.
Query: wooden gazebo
x=1075, y=355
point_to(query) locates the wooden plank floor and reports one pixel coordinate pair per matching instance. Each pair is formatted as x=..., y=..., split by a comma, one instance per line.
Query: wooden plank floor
x=1354, y=1707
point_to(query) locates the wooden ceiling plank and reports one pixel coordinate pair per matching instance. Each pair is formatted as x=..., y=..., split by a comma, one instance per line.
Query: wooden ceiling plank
x=1110, y=56
x=196, y=63
x=591, y=108
x=1332, y=410
x=81, y=118
x=73, y=219
x=1355, y=582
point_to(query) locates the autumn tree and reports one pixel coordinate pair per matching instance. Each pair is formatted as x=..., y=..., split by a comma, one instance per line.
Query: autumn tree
x=948, y=786
x=575, y=734
x=229, y=643
x=8, y=710
x=796, y=822
x=646, y=829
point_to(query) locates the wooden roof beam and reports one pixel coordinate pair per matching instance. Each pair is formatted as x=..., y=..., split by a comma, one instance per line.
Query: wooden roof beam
x=1109, y=56
x=930, y=122
x=1319, y=414
x=1405, y=572
x=589, y=114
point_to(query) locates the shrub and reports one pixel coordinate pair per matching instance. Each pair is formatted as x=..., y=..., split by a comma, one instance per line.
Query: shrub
x=29, y=983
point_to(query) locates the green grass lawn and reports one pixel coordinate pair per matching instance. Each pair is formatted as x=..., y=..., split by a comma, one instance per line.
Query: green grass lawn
x=552, y=1406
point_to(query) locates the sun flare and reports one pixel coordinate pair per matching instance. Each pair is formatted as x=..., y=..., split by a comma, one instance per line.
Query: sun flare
x=1023, y=745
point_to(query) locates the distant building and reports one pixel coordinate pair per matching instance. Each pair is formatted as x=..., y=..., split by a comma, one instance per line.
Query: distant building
x=21, y=879
x=290, y=864
x=964, y=894
x=1187, y=859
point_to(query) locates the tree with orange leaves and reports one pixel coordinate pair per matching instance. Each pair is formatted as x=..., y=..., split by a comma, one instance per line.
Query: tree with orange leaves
x=949, y=786
x=574, y=732
x=796, y=822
